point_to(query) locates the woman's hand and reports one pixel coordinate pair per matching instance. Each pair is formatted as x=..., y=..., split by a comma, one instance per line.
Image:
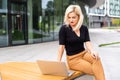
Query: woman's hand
x=94, y=54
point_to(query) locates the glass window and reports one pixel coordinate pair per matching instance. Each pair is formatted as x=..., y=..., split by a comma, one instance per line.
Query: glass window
x=0, y=3
x=3, y=23
x=99, y=11
x=3, y=30
x=36, y=16
x=114, y=8
x=58, y=16
x=47, y=20
x=3, y=4
x=43, y=20
x=30, y=21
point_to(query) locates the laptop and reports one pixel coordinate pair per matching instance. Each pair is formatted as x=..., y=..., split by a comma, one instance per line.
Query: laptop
x=54, y=68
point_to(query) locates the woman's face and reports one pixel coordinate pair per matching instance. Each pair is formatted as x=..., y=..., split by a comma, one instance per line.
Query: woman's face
x=73, y=19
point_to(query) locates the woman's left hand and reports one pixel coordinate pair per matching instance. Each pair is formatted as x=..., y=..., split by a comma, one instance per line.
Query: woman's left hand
x=94, y=54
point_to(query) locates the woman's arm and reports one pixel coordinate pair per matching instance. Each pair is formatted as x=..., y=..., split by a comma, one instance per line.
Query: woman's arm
x=90, y=49
x=60, y=52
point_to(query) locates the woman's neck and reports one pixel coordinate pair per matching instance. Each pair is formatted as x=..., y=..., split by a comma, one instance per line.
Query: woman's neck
x=73, y=27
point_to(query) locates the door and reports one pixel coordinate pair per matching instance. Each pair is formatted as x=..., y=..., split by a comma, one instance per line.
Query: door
x=17, y=22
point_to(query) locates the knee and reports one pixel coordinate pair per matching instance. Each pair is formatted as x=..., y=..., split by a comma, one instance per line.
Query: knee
x=98, y=60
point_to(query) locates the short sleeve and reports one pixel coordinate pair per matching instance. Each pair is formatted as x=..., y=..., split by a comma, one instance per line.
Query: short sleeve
x=62, y=35
x=87, y=37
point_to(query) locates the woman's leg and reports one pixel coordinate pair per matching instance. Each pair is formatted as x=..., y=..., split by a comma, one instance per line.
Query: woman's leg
x=96, y=66
x=76, y=62
x=85, y=63
x=83, y=66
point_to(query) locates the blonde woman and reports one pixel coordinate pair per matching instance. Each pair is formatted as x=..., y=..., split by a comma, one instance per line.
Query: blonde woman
x=72, y=37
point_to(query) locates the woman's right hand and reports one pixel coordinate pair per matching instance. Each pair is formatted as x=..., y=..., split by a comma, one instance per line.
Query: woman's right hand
x=94, y=54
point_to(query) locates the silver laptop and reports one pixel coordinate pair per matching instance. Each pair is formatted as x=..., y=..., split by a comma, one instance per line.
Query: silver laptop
x=54, y=68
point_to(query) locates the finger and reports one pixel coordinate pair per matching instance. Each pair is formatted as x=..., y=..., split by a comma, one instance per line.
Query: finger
x=93, y=55
x=97, y=57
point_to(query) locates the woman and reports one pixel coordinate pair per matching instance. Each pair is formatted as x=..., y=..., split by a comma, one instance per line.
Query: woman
x=72, y=37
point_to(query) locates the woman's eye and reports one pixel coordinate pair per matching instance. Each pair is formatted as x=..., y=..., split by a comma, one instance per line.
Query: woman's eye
x=73, y=17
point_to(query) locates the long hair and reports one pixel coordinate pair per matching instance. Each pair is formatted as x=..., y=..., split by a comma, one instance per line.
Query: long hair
x=78, y=11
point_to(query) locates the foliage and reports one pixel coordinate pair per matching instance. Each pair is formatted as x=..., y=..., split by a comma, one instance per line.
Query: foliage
x=101, y=45
x=17, y=35
x=115, y=21
x=2, y=32
x=39, y=35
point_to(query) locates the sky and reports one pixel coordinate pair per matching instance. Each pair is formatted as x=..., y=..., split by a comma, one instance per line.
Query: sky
x=44, y=3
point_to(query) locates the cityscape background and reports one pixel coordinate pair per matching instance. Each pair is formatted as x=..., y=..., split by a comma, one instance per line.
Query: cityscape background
x=35, y=21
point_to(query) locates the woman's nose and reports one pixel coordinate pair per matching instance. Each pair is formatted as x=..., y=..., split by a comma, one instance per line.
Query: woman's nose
x=71, y=20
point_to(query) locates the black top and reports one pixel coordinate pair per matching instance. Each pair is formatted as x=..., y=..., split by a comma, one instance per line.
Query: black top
x=73, y=43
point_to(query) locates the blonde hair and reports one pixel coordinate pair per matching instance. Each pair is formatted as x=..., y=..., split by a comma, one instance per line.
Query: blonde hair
x=78, y=11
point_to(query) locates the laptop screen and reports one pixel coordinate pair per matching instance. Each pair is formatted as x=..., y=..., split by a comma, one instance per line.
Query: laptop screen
x=53, y=68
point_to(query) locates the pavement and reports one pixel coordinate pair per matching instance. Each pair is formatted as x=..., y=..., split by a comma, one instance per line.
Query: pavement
x=110, y=54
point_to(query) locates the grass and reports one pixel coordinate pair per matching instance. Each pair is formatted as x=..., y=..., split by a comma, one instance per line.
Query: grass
x=112, y=27
x=101, y=45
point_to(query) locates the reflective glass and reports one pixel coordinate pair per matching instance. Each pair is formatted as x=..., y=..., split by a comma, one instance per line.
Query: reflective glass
x=113, y=8
x=3, y=23
x=47, y=20
x=3, y=4
x=3, y=30
x=36, y=14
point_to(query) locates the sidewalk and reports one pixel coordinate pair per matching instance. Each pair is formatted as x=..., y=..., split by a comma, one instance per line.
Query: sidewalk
x=109, y=54
x=48, y=51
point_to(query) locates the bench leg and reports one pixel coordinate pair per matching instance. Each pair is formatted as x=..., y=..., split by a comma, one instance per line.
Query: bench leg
x=74, y=75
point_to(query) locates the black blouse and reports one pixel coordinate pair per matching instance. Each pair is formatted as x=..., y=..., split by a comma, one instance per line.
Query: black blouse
x=73, y=43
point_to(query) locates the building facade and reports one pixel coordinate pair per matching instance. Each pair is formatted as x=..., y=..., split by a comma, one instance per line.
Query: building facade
x=31, y=21
x=107, y=14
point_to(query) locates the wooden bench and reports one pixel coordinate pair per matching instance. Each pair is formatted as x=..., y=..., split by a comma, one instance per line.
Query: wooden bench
x=28, y=71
